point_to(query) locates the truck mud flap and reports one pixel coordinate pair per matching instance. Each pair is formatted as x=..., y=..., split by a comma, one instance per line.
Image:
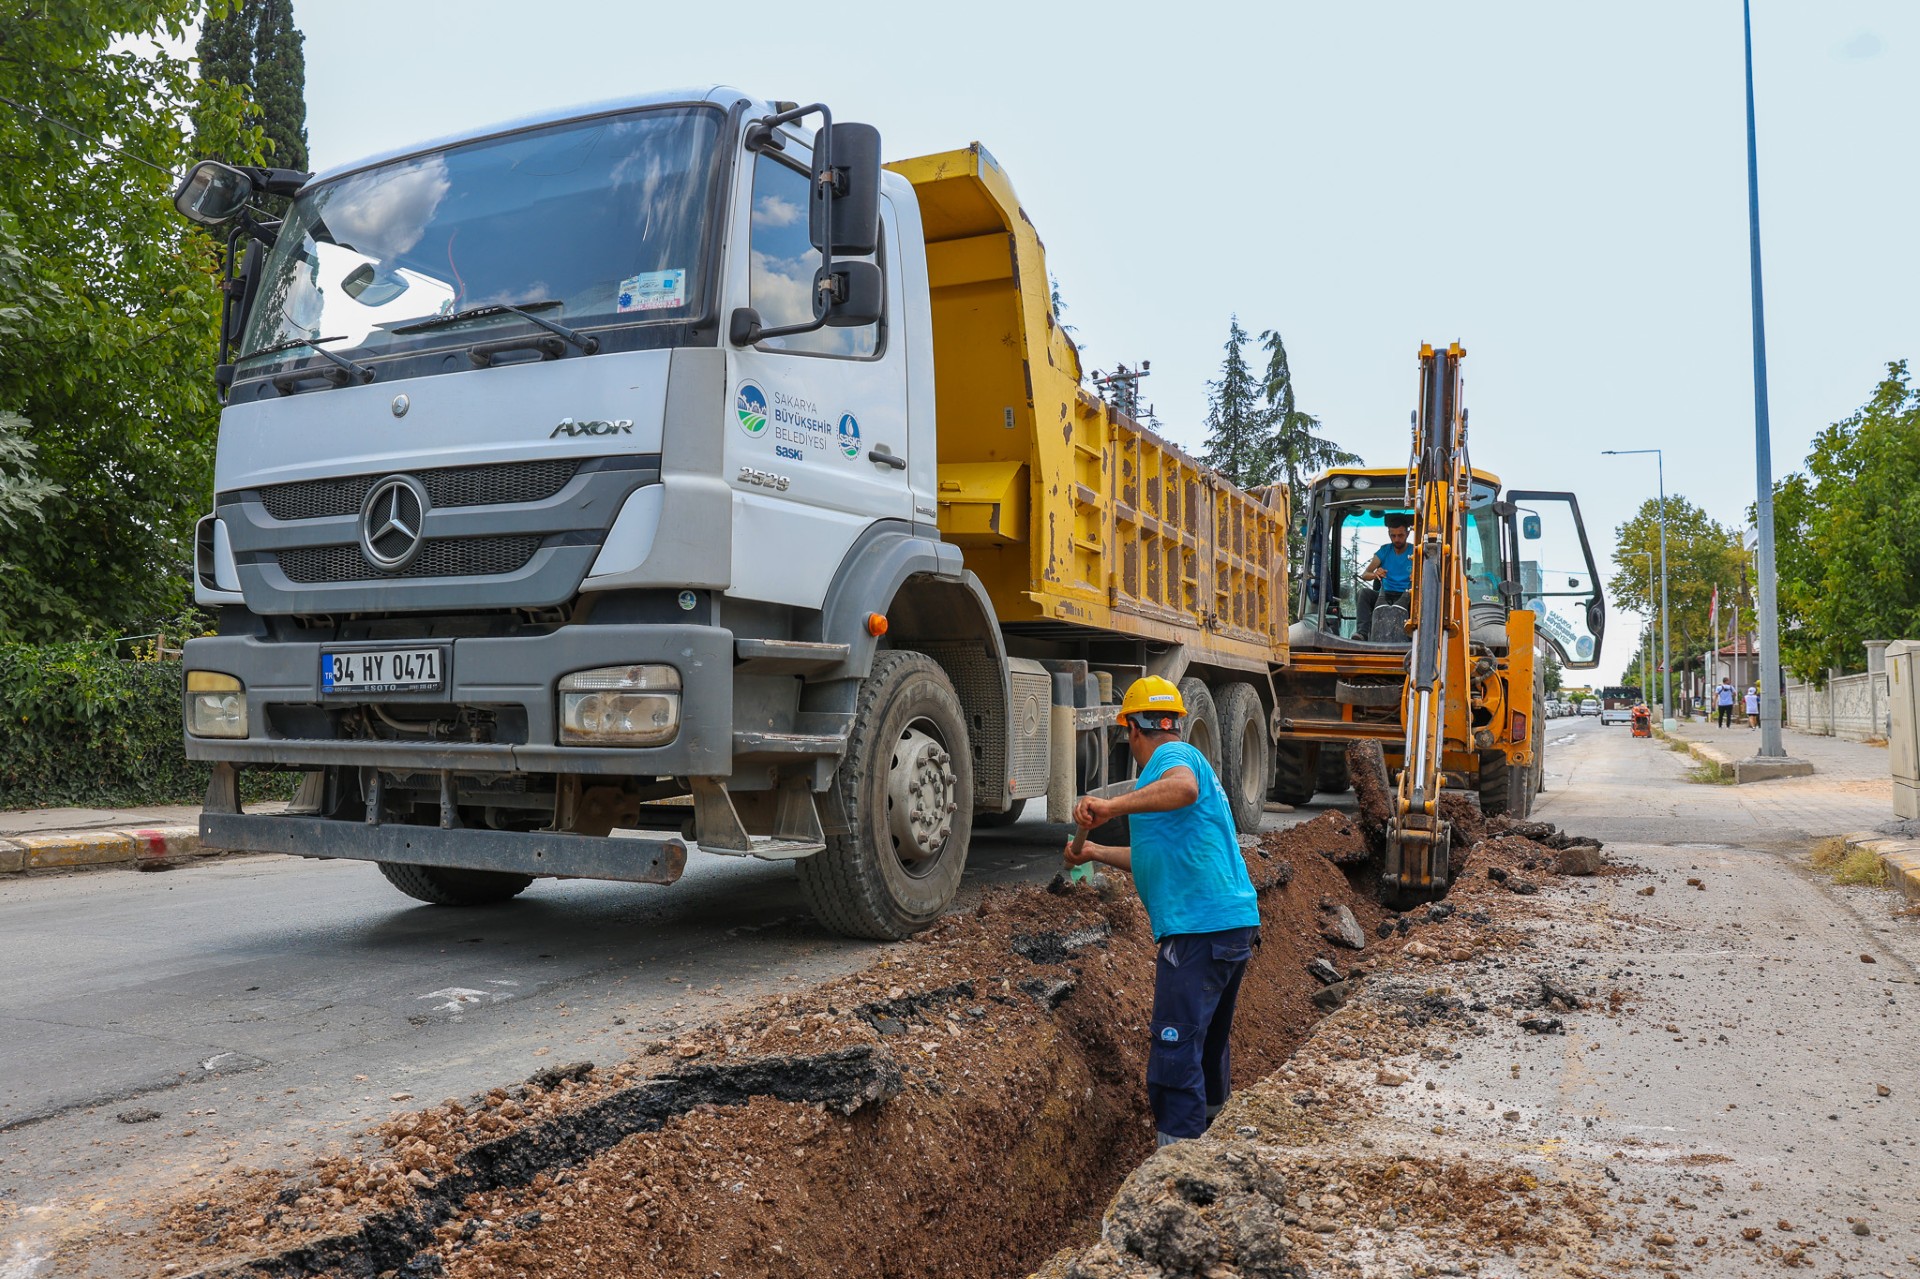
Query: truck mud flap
x=637, y=859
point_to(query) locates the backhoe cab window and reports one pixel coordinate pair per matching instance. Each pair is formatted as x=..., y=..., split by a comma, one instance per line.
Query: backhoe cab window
x=781, y=266
x=591, y=224
x=1357, y=531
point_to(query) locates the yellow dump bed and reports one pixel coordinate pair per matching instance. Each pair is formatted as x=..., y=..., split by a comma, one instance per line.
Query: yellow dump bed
x=1071, y=513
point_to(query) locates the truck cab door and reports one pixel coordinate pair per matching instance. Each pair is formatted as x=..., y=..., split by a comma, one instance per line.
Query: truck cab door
x=1555, y=576
x=816, y=441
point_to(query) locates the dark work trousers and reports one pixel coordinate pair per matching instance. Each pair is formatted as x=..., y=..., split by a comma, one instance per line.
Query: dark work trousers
x=1726, y=713
x=1196, y=980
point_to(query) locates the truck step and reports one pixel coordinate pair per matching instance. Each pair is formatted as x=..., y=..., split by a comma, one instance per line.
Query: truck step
x=786, y=657
x=767, y=849
x=786, y=744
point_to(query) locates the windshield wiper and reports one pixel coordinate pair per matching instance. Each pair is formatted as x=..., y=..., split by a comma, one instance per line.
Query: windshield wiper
x=359, y=372
x=587, y=345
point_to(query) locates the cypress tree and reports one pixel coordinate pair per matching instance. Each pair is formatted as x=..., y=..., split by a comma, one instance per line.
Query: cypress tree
x=256, y=46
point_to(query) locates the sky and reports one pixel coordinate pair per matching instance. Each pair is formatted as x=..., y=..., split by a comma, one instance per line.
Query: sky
x=1560, y=187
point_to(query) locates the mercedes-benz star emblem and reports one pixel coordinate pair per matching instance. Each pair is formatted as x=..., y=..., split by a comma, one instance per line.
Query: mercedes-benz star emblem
x=392, y=521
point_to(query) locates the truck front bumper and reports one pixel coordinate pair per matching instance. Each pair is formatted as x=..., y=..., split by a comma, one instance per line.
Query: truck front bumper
x=638, y=859
x=282, y=677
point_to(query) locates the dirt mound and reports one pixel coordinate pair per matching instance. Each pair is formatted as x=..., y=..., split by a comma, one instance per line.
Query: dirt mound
x=964, y=1106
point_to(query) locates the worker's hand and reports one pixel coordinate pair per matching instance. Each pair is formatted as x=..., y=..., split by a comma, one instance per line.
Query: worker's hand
x=1089, y=852
x=1090, y=812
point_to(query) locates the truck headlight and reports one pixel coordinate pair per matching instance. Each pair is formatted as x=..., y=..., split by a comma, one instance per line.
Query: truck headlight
x=620, y=706
x=216, y=705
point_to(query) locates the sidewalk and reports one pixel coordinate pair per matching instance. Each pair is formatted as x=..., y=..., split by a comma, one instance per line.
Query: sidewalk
x=78, y=838
x=1834, y=757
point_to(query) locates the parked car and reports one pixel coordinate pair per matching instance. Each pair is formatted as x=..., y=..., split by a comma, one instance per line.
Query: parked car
x=1590, y=707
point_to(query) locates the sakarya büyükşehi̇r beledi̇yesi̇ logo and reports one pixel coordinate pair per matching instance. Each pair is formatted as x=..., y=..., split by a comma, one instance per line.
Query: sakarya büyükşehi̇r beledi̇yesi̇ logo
x=751, y=407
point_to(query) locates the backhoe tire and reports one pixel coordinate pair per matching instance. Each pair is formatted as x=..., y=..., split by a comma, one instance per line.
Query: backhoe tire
x=1496, y=795
x=1334, y=778
x=1296, y=771
x=446, y=886
x=1246, y=756
x=1201, y=728
x=902, y=801
x=998, y=821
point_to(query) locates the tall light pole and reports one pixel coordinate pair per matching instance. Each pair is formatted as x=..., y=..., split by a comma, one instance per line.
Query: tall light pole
x=1769, y=620
x=1666, y=665
x=1646, y=658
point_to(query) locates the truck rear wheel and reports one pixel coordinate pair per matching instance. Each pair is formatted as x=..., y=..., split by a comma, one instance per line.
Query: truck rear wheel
x=1296, y=771
x=1202, y=728
x=904, y=793
x=447, y=886
x=1246, y=760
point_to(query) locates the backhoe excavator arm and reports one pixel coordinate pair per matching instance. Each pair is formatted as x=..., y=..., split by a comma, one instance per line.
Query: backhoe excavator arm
x=1418, y=838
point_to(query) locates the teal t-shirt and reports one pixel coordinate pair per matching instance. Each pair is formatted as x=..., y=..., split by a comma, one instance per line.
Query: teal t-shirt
x=1186, y=864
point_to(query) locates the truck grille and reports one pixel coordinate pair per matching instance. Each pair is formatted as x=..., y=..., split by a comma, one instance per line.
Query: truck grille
x=446, y=486
x=448, y=557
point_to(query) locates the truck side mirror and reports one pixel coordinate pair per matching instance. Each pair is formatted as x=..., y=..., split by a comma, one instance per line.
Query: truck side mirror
x=855, y=229
x=212, y=193
x=1530, y=528
x=855, y=295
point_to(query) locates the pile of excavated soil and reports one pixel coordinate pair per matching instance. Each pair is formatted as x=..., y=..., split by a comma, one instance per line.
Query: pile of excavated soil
x=963, y=1106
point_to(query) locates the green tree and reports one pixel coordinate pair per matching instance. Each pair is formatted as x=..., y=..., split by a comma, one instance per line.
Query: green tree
x=1296, y=449
x=258, y=48
x=1847, y=534
x=108, y=343
x=1702, y=553
x=1553, y=673
x=1237, y=421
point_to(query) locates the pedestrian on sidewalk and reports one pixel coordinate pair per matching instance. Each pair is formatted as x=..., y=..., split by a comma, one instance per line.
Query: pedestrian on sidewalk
x=1184, y=856
x=1753, y=707
x=1723, y=698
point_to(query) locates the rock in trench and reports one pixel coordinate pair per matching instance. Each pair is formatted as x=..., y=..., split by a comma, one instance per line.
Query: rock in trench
x=1343, y=929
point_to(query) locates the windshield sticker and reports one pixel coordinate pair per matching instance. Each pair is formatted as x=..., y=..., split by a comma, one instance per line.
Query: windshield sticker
x=653, y=291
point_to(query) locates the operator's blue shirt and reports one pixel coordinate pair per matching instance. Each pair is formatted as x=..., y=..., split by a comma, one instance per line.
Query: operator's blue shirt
x=1399, y=566
x=1186, y=863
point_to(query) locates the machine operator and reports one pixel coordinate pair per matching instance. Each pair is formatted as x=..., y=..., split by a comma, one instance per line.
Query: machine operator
x=1389, y=574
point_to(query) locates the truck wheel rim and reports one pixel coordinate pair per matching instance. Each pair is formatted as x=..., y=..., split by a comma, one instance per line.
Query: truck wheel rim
x=920, y=803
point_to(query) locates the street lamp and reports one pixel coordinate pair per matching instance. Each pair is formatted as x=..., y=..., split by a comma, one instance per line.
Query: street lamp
x=1646, y=658
x=1666, y=664
x=1769, y=619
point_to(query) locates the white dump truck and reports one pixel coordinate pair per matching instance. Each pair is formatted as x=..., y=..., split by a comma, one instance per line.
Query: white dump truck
x=668, y=474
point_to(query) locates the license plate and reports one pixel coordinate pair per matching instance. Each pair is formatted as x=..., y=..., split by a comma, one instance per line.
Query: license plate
x=390, y=670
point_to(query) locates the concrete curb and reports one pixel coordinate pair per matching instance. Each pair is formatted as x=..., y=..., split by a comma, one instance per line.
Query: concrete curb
x=1739, y=771
x=74, y=850
x=1900, y=857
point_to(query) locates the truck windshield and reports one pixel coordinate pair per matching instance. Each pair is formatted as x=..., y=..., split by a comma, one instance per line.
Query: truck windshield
x=596, y=224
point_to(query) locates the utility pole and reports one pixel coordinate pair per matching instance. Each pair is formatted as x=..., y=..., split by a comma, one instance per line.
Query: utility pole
x=1666, y=660
x=1769, y=621
x=1646, y=654
x=1121, y=388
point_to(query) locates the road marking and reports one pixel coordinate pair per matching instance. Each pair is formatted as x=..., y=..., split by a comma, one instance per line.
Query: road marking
x=459, y=997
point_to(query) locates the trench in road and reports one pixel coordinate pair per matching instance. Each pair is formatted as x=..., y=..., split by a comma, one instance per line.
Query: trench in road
x=993, y=1069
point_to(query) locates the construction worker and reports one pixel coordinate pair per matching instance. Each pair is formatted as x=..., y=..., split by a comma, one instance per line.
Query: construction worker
x=1185, y=860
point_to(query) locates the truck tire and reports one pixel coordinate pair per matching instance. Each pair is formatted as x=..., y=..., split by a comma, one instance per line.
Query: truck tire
x=1202, y=727
x=904, y=797
x=1334, y=777
x=995, y=821
x=1296, y=771
x=1246, y=755
x=446, y=886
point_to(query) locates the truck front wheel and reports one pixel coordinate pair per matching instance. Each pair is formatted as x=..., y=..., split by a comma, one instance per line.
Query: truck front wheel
x=903, y=797
x=446, y=886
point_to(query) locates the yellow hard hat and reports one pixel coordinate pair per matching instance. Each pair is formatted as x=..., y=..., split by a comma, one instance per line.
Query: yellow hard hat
x=1151, y=695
